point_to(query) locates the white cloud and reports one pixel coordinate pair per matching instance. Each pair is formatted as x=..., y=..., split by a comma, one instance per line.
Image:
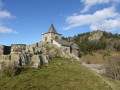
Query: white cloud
x=89, y=3
x=106, y=19
x=109, y=25
x=4, y=29
x=4, y=14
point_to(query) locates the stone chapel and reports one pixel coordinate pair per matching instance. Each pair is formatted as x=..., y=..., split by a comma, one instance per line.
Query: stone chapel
x=52, y=36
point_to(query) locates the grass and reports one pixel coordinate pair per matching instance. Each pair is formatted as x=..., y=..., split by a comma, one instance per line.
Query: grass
x=59, y=74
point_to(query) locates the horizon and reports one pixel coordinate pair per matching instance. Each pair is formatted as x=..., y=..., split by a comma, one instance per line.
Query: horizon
x=25, y=21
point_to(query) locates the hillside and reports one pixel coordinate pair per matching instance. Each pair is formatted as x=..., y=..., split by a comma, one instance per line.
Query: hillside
x=60, y=74
x=97, y=46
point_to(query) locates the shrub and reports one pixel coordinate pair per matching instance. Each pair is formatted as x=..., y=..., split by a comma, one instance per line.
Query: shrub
x=113, y=68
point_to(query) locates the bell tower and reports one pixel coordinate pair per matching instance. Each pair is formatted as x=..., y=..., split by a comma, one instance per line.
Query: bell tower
x=51, y=34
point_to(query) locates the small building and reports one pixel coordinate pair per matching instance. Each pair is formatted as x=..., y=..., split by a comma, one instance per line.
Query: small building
x=52, y=36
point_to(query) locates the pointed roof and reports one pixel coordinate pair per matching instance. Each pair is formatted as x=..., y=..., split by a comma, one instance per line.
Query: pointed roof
x=52, y=29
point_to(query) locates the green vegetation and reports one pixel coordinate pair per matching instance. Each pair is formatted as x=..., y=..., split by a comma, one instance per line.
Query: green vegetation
x=89, y=46
x=110, y=35
x=117, y=47
x=60, y=74
x=86, y=46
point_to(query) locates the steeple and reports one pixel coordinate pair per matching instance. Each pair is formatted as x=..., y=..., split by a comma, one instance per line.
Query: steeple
x=52, y=29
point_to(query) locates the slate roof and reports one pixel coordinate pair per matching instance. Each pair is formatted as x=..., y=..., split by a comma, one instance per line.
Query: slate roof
x=52, y=29
x=63, y=42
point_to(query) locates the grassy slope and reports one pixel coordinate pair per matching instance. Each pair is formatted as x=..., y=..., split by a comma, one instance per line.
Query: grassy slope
x=60, y=74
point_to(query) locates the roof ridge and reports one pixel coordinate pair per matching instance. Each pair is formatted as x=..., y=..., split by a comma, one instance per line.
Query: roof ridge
x=52, y=29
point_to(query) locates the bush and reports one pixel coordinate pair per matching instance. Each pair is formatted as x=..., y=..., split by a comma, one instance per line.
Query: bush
x=113, y=68
x=117, y=47
x=89, y=46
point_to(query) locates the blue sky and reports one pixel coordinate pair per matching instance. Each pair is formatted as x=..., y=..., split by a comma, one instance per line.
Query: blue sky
x=23, y=21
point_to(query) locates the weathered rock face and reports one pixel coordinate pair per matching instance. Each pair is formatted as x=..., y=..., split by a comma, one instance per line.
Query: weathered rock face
x=96, y=36
x=34, y=49
x=24, y=59
x=15, y=57
x=45, y=59
x=36, y=61
x=4, y=57
x=39, y=60
x=18, y=48
x=35, y=55
x=1, y=49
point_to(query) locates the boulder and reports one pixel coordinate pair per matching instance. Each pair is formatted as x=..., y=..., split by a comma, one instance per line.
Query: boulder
x=18, y=48
x=44, y=59
x=4, y=57
x=1, y=49
x=8, y=64
x=35, y=60
x=24, y=58
x=15, y=58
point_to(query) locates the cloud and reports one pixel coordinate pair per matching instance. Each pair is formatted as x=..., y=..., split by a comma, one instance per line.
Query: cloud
x=89, y=3
x=109, y=25
x=4, y=29
x=106, y=19
x=4, y=14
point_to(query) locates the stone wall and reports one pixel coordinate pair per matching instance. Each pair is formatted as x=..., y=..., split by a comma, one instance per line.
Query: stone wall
x=75, y=50
x=34, y=48
x=66, y=49
x=50, y=36
x=4, y=50
x=1, y=49
x=17, y=48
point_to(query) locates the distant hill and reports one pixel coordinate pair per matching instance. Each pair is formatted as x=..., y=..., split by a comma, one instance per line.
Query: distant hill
x=97, y=44
x=60, y=74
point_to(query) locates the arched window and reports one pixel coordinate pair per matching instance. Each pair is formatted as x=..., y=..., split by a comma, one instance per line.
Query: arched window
x=56, y=37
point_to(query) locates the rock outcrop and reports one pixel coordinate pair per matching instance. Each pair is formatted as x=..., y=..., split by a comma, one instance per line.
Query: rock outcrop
x=1, y=49
x=96, y=35
x=17, y=48
x=34, y=55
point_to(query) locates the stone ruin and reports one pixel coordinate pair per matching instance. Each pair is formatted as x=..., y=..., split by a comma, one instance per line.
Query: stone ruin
x=1, y=49
x=17, y=48
x=4, y=50
x=35, y=54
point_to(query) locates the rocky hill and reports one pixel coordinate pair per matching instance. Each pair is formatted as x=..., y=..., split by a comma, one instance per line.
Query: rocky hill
x=97, y=44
